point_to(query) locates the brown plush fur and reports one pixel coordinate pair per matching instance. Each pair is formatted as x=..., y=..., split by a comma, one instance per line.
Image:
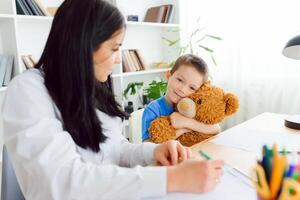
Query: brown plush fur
x=212, y=106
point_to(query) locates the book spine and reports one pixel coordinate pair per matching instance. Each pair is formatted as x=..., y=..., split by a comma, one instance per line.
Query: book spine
x=3, y=66
x=27, y=7
x=32, y=8
x=9, y=69
x=141, y=59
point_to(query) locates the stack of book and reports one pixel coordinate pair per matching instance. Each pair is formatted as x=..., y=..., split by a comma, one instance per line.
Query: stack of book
x=160, y=14
x=28, y=61
x=31, y=7
x=132, y=60
x=6, y=68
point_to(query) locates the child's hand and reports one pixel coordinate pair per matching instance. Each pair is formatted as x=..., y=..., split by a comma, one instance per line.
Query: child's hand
x=178, y=121
x=181, y=131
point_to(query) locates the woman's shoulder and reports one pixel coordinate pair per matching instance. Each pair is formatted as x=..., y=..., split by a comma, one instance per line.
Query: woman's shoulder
x=29, y=78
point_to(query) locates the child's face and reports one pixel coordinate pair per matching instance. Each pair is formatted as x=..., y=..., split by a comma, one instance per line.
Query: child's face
x=183, y=82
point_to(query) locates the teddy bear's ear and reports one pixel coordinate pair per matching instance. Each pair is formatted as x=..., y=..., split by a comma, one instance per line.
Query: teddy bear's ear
x=232, y=103
x=208, y=82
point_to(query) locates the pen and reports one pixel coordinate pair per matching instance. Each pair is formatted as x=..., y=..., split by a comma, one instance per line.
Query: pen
x=289, y=152
x=233, y=171
x=204, y=155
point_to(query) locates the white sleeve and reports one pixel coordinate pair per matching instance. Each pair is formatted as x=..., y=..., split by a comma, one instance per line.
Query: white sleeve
x=45, y=158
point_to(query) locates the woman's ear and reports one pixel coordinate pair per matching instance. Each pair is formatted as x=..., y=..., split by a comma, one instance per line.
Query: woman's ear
x=168, y=74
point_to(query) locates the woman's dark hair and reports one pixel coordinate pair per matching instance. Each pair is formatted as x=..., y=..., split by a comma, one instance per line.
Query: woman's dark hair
x=194, y=61
x=78, y=29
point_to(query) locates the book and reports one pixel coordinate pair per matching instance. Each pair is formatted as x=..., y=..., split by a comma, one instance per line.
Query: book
x=42, y=8
x=130, y=61
x=144, y=64
x=3, y=65
x=155, y=14
x=27, y=7
x=125, y=64
x=134, y=59
x=28, y=61
x=34, y=10
x=169, y=11
x=36, y=7
x=9, y=69
x=165, y=7
x=21, y=9
x=171, y=15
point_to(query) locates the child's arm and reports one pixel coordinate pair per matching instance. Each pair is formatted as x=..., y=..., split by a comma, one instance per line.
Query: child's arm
x=179, y=121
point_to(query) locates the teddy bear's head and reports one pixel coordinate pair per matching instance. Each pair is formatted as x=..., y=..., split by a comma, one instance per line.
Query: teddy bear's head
x=209, y=104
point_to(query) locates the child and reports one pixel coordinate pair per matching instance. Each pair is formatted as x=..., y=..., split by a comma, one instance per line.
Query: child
x=187, y=75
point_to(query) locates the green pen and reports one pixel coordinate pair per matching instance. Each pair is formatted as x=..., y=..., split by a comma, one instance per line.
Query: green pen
x=204, y=155
x=229, y=169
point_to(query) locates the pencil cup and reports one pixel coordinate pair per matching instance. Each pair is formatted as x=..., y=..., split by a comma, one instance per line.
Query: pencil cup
x=290, y=191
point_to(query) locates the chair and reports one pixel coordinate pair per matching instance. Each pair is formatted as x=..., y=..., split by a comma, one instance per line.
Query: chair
x=135, y=126
x=10, y=189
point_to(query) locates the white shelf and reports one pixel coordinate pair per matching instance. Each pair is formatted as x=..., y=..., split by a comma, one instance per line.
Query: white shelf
x=33, y=18
x=144, y=72
x=149, y=24
x=6, y=16
x=3, y=89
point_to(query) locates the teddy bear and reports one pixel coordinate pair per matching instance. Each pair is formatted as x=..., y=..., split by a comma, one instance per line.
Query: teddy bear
x=209, y=105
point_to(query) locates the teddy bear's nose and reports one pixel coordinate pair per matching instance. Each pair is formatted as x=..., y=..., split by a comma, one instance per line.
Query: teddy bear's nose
x=187, y=107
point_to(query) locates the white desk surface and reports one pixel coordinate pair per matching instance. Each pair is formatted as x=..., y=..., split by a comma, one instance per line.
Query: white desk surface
x=248, y=136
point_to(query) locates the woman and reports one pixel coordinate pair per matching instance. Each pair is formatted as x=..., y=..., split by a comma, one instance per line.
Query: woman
x=62, y=124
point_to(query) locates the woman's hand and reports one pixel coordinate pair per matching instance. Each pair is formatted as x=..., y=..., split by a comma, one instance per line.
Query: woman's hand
x=179, y=121
x=194, y=176
x=171, y=153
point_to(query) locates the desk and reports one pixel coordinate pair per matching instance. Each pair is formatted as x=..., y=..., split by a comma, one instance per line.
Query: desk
x=244, y=141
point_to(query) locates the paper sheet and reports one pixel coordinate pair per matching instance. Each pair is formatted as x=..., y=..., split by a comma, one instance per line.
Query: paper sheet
x=252, y=140
x=243, y=161
x=228, y=188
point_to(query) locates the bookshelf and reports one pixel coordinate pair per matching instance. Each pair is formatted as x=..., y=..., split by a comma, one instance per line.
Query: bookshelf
x=24, y=35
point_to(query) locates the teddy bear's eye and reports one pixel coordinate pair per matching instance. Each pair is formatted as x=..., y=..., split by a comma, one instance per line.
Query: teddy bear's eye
x=199, y=101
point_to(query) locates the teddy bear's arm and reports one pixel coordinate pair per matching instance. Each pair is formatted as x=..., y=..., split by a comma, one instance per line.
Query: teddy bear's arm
x=161, y=130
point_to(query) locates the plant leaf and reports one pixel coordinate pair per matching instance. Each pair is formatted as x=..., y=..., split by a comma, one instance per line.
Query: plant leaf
x=213, y=59
x=214, y=37
x=206, y=49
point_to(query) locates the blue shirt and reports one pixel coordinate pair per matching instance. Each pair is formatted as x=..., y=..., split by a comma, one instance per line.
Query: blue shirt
x=155, y=109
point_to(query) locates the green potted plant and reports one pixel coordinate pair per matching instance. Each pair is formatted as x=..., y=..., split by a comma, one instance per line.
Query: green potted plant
x=151, y=92
x=132, y=88
x=156, y=89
